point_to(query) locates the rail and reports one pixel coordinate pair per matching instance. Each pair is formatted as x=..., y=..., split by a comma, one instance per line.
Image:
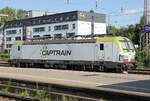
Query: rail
x=32, y=89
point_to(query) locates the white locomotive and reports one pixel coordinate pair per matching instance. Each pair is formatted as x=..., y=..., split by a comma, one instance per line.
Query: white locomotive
x=102, y=53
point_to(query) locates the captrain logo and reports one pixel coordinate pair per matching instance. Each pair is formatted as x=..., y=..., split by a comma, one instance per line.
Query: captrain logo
x=52, y=52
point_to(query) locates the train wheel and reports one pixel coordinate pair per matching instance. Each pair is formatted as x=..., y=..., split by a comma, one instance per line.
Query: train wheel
x=17, y=65
x=122, y=70
x=101, y=68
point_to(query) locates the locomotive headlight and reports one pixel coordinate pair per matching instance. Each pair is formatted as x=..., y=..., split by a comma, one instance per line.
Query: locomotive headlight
x=123, y=58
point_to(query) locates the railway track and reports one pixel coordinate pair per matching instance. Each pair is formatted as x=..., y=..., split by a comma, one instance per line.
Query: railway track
x=32, y=91
x=11, y=97
x=140, y=71
x=65, y=94
x=137, y=71
x=4, y=64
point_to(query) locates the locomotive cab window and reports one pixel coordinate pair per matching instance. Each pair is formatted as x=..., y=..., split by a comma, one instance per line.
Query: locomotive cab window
x=101, y=46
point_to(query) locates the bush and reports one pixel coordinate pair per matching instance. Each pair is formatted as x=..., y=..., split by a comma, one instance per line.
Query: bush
x=147, y=62
x=138, y=57
x=4, y=57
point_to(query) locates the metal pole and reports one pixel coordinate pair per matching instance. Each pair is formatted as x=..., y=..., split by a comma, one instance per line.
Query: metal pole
x=67, y=1
x=92, y=27
x=108, y=24
x=147, y=21
x=96, y=4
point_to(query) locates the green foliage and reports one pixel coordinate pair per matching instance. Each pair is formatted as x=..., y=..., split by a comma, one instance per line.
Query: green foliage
x=139, y=58
x=12, y=14
x=19, y=13
x=25, y=94
x=133, y=32
x=40, y=94
x=64, y=98
x=4, y=57
x=5, y=90
x=147, y=62
x=112, y=29
x=91, y=11
x=43, y=94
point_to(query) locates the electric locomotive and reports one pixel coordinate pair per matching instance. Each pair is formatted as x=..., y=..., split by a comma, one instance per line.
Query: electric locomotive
x=102, y=53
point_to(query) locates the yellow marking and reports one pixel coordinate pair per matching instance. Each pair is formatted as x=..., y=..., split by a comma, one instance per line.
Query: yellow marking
x=18, y=42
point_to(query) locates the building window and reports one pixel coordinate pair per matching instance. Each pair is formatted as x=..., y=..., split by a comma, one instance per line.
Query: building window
x=44, y=21
x=49, y=20
x=8, y=39
x=73, y=26
x=11, y=25
x=55, y=19
x=65, y=26
x=61, y=18
x=39, y=21
x=61, y=27
x=6, y=25
x=20, y=24
x=18, y=38
x=34, y=22
x=67, y=18
x=74, y=17
x=70, y=35
x=47, y=36
x=40, y=29
x=58, y=36
x=8, y=45
x=36, y=36
x=16, y=24
x=19, y=31
x=57, y=27
x=11, y=32
x=49, y=28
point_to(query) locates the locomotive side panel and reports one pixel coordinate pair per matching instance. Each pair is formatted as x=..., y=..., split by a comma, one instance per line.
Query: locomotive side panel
x=16, y=52
x=73, y=52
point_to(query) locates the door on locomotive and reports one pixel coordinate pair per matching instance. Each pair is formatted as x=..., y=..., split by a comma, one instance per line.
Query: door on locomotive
x=101, y=52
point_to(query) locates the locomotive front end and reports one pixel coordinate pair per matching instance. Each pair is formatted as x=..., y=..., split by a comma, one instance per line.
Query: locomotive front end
x=127, y=54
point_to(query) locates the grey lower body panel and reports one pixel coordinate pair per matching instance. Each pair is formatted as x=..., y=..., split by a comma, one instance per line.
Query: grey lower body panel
x=53, y=61
x=107, y=64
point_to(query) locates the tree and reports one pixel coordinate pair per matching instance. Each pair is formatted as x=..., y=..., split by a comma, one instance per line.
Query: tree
x=20, y=13
x=112, y=30
x=12, y=13
x=8, y=11
x=91, y=11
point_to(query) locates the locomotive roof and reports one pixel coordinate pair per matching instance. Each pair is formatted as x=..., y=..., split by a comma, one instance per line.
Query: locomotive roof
x=60, y=41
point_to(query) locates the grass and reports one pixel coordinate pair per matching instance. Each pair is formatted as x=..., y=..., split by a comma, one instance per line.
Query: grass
x=141, y=67
x=4, y=57
x=39, y=95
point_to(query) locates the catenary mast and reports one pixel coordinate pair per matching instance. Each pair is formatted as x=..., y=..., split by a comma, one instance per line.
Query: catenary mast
x=147, y=22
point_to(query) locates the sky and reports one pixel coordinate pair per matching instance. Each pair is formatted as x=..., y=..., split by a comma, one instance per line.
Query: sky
x=122, y=12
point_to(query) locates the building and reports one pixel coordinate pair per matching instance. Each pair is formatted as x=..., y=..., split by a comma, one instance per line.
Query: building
x=33, y=13
x=58, y=25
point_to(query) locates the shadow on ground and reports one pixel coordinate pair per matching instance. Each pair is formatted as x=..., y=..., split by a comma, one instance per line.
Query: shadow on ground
x=138, y=86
